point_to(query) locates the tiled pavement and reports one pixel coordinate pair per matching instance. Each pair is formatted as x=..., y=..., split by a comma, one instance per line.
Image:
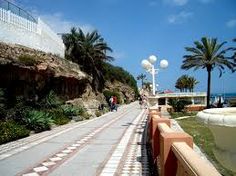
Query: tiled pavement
x=127, y=157
x=130, y=156
x=136, y=160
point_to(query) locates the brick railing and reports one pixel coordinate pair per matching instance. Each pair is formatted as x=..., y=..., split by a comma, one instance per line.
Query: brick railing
x=172, y=151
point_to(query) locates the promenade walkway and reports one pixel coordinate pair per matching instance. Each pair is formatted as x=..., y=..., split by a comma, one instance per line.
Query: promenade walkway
x=112, y=144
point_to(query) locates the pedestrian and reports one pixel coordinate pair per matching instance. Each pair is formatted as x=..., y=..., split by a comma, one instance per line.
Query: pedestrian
x=114, y=103
x=140, y=101
x=144, y=101
x=110, y=103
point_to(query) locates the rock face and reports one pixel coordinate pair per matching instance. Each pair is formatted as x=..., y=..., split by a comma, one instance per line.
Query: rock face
x=29, y=72
x=125, y=92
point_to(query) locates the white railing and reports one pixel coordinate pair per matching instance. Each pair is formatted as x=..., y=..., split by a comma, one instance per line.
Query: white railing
x=183, y=94
x=45, y=36
x=13, y=19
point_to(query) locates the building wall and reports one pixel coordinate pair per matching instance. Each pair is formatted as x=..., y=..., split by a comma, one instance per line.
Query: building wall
x=17, y=30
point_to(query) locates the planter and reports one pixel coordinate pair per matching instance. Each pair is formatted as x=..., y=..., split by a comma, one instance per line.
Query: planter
x=222, y=123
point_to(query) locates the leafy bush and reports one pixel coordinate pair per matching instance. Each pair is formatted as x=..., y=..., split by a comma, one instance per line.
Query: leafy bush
x=61, y=120
x=10, y=131
x=2, y=104
x=70, y=110
x=232, y=102
x=86, y=115
x=98, y=113
x=28, y=60
x=53, y=100
x=38, y=120
x=178, y=105
x=112, y=73
x=58, y=116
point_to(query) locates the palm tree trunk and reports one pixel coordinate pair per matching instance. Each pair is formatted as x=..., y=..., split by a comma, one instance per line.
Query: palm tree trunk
x=208, y=87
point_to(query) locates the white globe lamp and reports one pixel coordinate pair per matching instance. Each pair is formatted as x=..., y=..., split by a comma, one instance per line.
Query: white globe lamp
x=146, y=64
x=152, y=59
x=164, y=63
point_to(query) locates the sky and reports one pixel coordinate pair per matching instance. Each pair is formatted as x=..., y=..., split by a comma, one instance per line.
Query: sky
x=136, y=29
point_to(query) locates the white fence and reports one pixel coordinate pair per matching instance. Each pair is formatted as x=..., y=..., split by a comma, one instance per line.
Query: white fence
x=18, y=30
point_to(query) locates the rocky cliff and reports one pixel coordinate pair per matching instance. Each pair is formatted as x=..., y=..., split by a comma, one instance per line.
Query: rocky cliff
x=29, y=72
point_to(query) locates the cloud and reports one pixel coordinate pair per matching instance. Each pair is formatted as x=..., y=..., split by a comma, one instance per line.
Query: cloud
x=206, y=1
x=60, y=25
x=231, y=23
x=152, y=3
x=179, y=18
x=176, y=2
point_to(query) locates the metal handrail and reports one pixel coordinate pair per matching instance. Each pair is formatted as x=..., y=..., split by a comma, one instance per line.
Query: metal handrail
x=16, y=10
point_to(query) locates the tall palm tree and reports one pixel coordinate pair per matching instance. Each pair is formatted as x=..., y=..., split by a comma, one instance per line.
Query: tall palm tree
x=207, y=54
x=89, y=50
x=141, y=77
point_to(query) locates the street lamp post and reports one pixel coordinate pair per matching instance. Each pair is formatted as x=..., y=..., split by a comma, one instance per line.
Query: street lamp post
x=149, y=66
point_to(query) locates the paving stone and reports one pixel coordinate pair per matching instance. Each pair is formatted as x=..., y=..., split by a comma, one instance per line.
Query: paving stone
x=40, y=169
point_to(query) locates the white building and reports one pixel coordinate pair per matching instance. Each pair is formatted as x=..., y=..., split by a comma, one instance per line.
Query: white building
x=197, y=98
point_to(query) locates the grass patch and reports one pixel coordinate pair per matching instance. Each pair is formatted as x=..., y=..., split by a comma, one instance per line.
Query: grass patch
x=28, y=60
x=203, y=138
x=181, y=114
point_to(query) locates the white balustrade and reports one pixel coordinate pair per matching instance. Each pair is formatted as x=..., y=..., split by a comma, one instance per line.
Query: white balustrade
x=45, y=39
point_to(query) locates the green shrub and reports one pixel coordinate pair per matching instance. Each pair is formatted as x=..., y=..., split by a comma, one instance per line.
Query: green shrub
x=98, y=113
x=86, y=115
x=10, y=131
x=28, y=60
x=58, y=116
x=70, y=110
x=38, y=120
x=52, y=100
x=61, y=120
x=112, y=73
x=178, y=105
x=232, y=102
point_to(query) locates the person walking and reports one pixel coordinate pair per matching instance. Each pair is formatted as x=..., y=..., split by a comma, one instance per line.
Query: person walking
x=110, y=102
x=115, y=103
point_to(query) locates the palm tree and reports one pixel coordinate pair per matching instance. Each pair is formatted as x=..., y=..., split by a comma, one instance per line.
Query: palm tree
x=141, y=77
x=182, y=83
x=89, y=51
x=207, y=54
x=192, y=82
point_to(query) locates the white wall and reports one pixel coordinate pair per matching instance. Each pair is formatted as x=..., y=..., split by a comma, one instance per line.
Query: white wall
x=17, y=30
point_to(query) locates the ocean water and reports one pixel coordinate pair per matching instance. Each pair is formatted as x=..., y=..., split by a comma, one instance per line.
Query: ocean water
x=226, y=96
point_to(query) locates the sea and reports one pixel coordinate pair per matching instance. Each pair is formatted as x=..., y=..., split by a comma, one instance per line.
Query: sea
x=225, y=96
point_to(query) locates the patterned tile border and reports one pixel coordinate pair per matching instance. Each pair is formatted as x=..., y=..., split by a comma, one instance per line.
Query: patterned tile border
x=136, y=160
x=112, y=164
